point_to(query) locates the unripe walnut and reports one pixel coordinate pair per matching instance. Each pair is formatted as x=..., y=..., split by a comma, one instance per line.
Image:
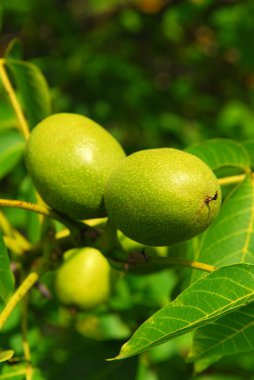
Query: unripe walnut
x=84, y=279
x=70, y=158
x=159, y=197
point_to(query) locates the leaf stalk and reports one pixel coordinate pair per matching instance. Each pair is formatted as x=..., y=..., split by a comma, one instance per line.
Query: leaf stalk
x=231, y=180
x=22, y=290
x=36, y=208
x=140, y=263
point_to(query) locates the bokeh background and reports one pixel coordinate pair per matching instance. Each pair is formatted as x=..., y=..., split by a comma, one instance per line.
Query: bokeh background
x=154, y=72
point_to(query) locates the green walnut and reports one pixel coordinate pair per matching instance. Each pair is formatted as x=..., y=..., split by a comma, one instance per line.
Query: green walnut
x=70, y=158
x=84, y=279
x=159, y=197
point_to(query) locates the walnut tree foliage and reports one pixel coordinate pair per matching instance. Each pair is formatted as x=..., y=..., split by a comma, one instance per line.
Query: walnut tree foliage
x=177, y=75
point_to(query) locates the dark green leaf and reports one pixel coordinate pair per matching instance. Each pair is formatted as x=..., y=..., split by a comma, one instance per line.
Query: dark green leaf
x=14, y=49
x=219, y=377
x=33, y=89
x=219, y=293
x=1, y=17
x=6, y=276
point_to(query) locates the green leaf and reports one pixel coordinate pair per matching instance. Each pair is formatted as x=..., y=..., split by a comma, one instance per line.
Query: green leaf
x=221, y=153
x=6, y=276
x=219, y=293
x=202, y=364
x=230, y=239
x=11, y=151
x=249, y=147
x=7, y=117
x=229, y=335
x=6, y=355
x=14, y=49
x=31, y=219
x=16, y=371
x=33, y=89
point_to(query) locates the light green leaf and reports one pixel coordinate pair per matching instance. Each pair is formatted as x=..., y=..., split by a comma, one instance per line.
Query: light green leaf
x=6, y=355
x=202, y=364
x=219, y=293
x=6, y=276
x=229, y=335
x=7, y=117
x=11, y=151
x=221, y=153
x=33, y=89
x=230, y=239
x=16, y=371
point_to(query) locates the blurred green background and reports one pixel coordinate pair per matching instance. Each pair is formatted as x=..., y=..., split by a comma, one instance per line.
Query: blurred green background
x=154, y=72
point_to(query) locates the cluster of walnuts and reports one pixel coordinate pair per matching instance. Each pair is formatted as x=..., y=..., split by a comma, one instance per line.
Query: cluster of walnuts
x=156, y=197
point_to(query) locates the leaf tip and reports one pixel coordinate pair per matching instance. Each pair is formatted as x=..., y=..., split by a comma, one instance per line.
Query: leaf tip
x=118, y=357
x=124, y=353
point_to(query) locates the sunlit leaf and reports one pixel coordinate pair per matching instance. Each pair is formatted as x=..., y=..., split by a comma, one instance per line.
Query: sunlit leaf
x=6, y=355
x=17, y=372
x=231, y=334
x=221, y=153
x=33, y=89
x=6, y=276
x=230, y=239
x=219, y=293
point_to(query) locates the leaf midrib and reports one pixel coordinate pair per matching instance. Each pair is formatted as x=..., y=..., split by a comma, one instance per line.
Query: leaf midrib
x=212, y=316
